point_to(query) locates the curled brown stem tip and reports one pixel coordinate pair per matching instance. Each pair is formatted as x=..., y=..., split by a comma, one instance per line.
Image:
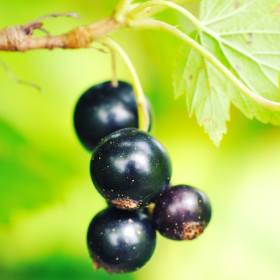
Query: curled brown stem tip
x=13, y=77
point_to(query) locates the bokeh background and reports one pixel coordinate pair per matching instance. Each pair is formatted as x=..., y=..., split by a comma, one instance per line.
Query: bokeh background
x=46, y=196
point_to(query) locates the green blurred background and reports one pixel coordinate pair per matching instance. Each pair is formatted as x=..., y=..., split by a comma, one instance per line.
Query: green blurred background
x=46, y=196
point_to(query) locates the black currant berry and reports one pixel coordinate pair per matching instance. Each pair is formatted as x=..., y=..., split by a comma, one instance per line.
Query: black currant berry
x=182, y=213
x=103, y=109
x=120, y=241
x=130, y=168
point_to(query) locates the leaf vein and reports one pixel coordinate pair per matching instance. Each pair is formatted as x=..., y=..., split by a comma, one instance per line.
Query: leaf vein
x=247, y=54
x=242, y=96
x=210, y=11
x=268, y=32
x=230, y=14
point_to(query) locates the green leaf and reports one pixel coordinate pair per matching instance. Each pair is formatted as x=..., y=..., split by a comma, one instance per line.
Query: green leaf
x=28, y=179
x=58, y=267
x=245, y=36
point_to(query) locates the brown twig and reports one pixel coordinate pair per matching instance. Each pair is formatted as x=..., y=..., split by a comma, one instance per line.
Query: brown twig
x=19, y=38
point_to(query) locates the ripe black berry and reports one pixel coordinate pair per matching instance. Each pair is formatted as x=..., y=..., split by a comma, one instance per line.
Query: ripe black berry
x=120, y=241
x=130, y=168
x=103, y=109
x=182, y=213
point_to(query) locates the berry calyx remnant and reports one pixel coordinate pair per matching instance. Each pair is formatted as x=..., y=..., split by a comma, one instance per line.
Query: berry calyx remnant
x=182, y=213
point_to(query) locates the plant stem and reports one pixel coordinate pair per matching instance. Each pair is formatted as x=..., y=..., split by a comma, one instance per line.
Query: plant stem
x=162, y=26
x=157, y=10
x=121, y=10
x=17, y=39
x=143, y=115
x=114, y=70
x=114, y=81
x=168, y=4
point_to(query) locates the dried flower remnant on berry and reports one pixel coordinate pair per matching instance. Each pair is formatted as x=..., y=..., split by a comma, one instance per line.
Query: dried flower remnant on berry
x=182, y=213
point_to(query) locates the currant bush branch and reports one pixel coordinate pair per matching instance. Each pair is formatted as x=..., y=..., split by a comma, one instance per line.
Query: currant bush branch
x=19, y=38
x=143, y=114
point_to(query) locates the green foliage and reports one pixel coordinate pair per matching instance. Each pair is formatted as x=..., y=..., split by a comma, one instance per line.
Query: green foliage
x=245, y=37
x=59, y=267
x=28, y=178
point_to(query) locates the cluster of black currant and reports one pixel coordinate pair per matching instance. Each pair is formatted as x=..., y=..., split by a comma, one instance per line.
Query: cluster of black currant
x=132, y=171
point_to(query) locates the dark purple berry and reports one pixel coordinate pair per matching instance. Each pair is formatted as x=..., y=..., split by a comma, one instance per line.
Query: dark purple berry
x=104, y=109
x=120, y=241
x=130, y=168
x=182, y=213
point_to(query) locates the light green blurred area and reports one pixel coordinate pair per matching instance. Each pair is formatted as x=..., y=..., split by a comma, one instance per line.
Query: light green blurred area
x=46, y=196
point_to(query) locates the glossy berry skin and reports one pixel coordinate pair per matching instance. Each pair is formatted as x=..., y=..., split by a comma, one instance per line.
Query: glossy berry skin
x=120, y=241
x=182, y=213
x=103, y=109
x=130, y=168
